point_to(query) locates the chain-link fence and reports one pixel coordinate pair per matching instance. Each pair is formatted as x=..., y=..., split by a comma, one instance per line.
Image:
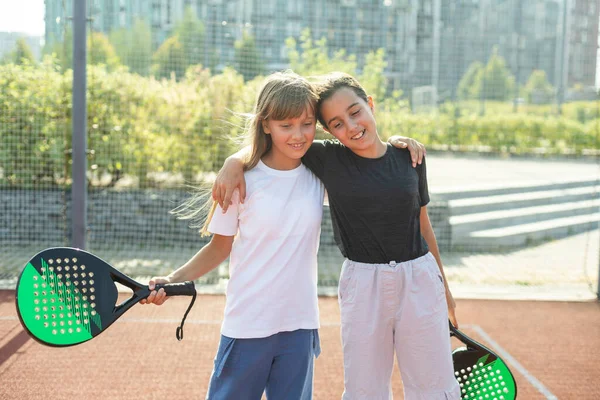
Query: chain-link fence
x=502, y=93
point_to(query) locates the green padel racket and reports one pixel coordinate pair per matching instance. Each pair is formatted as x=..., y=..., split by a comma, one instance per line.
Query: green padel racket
x=481, y=373
x=67, y=296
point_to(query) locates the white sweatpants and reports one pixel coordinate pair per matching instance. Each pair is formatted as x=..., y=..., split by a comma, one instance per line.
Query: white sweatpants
x=401, y=307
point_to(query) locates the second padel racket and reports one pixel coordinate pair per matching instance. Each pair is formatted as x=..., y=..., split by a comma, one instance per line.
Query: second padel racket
x=481, y=373
x=67, y=296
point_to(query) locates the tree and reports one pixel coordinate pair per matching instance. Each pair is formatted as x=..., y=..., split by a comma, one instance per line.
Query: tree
x=101, y=51
x=466, y=85
x=247, y=57
x=313, y=58
x=373, y=77
x=499, y=82
x=134, y=47
x=169, y=59
x=21, y=54
x=538, y=89
x=190, y=31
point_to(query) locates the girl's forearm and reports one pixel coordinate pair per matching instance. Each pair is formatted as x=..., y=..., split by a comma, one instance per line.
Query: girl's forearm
x=204, y=261
x=429, y=236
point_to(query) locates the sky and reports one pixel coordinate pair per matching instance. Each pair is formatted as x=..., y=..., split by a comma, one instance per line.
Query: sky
x=25, y=16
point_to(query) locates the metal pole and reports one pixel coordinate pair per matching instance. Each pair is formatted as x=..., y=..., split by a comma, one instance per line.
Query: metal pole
x=79, y=140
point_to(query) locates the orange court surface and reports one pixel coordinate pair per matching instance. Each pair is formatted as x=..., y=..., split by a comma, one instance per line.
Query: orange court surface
x=553, y=349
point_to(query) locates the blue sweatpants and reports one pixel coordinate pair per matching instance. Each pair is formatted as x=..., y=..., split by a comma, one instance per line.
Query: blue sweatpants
x=280, y=365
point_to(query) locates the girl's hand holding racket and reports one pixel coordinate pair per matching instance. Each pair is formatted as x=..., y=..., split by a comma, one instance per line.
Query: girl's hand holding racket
x=157, y=297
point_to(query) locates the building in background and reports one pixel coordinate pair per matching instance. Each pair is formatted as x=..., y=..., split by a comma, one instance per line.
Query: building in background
x=427, y=42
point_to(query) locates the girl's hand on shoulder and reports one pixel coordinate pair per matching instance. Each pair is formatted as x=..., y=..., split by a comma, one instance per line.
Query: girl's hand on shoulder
x=417, y=149
x=156, y=297
x=230, y=177
x=451, y=307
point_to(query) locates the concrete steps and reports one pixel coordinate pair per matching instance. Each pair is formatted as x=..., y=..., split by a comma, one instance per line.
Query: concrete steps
x=495, y=218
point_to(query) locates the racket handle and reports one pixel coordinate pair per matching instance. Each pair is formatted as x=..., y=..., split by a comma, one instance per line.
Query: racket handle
x=178, y=289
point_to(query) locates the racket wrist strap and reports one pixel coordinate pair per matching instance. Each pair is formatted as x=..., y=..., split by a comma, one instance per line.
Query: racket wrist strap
x=179, y=331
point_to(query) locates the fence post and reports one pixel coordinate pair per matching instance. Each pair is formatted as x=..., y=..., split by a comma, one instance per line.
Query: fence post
x=79, y=140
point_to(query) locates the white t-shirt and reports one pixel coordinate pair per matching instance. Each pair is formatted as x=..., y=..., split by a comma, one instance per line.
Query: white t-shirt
x=273, y=262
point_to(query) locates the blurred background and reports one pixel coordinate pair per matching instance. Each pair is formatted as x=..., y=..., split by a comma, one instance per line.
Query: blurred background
x=504, y=94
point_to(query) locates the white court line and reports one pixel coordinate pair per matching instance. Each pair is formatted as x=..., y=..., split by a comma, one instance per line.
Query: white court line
x=501, y=351
x=513, y=362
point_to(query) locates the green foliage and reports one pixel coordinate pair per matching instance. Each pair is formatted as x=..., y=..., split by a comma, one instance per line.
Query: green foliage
x=467, y=84
x=169, y=59
x=101, y=51
x=247, y=57
x=190, y=31
x=134, y=47
x=141, y=126
x=21, y=54
x=310, y=57
x=490, y=82
x=537, y=89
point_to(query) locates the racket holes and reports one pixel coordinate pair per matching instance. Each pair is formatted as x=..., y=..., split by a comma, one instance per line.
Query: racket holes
x=91, y=282
x=93, y=305
x=53, y=323
x=62, y=323
x=43, y=292
x=54, y=331
x=91, y=274
x=35, y=293
x=35, y=278
x=68, y=276
x=45, y=316
x=70, y=330
x=92, y=290
x=83, y=274
x=94, y=312
x=70, y=322
x=74, y=266
x=50, y=261
x=66, y=260
x=74, y=259
x=75, y=275
x=58, y=260
x=69, y=283
x=53, y=308
x=37, y=309
x=46, y=324
x=85, y=314
x=84, y=298
x=78, y=329
x=35, y=285
x=61, y=315
x=84, y=290
x=44, y=301
x=45, y=309
x=52, y=300
x=92, y=297
x=62, y=331
x=36, y=301
x=83, y=267
x=58, y=268
x=59, y=276
x=37, y=317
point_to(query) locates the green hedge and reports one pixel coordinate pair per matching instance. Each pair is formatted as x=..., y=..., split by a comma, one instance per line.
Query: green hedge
x=140, y=126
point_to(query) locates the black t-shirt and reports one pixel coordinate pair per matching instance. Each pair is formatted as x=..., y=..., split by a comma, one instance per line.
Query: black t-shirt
x=375, y=204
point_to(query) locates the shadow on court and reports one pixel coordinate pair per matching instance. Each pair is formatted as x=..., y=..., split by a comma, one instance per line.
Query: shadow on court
x=552, y=348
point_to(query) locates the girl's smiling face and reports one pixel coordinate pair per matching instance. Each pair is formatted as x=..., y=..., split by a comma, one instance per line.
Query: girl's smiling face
x=291, y=138
x=350, y=119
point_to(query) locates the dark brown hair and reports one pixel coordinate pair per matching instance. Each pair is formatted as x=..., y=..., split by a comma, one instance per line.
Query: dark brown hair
x=328, y=85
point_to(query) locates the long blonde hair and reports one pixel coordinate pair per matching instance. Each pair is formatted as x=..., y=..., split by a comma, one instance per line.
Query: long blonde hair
x=283, y=95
